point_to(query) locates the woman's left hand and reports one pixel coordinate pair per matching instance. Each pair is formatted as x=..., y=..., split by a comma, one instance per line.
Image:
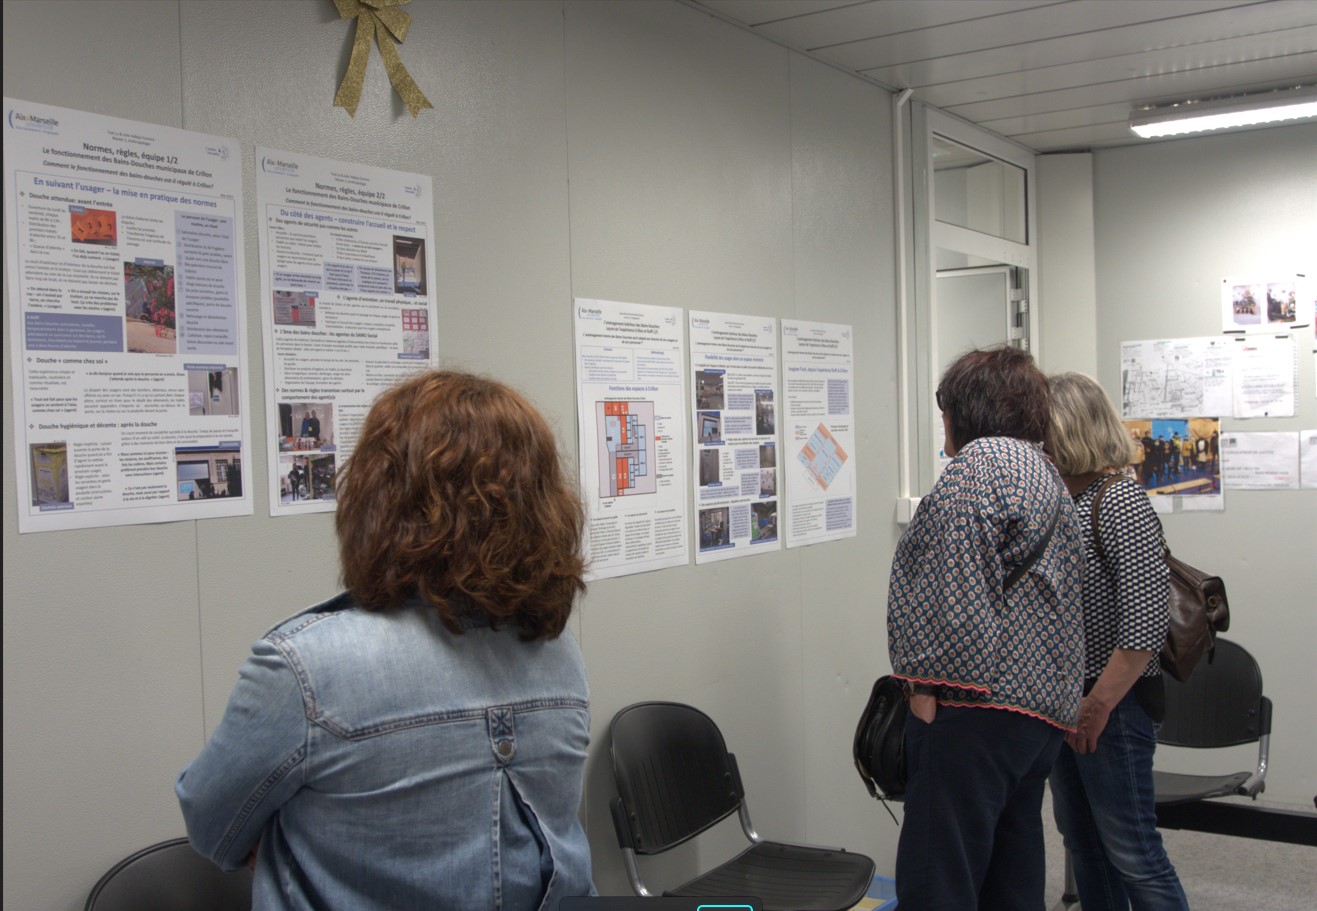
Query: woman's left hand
x=1093, y=716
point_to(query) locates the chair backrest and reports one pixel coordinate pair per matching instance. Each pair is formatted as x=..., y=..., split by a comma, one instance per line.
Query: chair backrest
x=1221, y=705
x=170, y=876
x=674, y=775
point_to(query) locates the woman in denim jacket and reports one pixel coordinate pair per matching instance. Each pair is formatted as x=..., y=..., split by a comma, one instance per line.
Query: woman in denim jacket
x=418, y=741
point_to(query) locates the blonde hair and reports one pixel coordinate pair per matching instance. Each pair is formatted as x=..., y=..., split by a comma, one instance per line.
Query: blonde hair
x=1085, y=433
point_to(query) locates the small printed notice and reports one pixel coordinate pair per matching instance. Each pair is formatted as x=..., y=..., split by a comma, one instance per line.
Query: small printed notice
x=734, y=390
x=818, y=381
x=1308, y=459
x=127, y=320
x=631, y=393
x=1260, y=461
x=347, y=304
x=1266, y=376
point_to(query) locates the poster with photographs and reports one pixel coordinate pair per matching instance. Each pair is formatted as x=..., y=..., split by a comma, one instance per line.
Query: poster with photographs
x=347, y=266
x=127, y=320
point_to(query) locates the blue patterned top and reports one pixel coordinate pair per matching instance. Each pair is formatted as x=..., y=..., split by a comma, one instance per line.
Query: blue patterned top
x=948, y=622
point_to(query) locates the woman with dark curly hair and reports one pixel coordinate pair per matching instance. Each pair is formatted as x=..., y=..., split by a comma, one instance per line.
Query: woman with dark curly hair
x=418, y=741
x=992, y=667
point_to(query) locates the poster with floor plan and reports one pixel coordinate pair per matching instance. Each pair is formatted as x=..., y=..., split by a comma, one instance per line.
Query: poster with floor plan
x=630, y=416
x=734, y=396
x=818, y=385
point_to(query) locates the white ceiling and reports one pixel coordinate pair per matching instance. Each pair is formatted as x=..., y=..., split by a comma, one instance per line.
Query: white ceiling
x=1050, y=75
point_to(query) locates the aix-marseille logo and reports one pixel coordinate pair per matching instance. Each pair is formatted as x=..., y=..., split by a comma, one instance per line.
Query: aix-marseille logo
x=20, y=121
x=272, y=165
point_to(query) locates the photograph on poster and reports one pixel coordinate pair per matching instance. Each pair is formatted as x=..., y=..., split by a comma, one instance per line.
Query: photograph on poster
x=306, y=478
x=1177, y=456
x=294, y=308
x=415, y=333
x=1260, y=304
x=764, y=527
x=767, y=455
x=408, y=265
x=50, y=474
x=208, y=472
x=767, y=482
x=711, y=427
x=93, y=226
x=306, y=426
x=710, y=467
x=765, y=421
x=149, y=319
x=211, y=391
x=709, y=389
x=715, y=528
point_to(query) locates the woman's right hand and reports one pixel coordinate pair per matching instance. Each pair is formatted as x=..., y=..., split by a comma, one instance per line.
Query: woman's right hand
x=923, y=707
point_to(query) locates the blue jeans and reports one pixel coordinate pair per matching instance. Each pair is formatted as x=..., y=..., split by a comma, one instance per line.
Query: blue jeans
x=972, y=836
x=1103, y=802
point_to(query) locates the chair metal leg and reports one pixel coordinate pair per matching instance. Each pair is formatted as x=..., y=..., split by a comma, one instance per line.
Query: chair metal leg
x=1070, y=894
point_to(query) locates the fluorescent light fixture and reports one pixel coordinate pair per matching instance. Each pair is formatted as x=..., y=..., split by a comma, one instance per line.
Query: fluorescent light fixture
x=1232, y=113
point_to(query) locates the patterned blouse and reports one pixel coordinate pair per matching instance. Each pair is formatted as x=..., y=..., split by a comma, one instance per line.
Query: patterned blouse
x=1125, y=594
x=948, y=622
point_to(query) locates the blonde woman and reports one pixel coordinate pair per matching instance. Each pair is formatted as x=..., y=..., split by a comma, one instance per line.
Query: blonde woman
x=1102, y=791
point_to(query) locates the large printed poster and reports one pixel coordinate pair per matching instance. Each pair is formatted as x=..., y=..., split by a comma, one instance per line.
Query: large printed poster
x=348, y=308
x=127, y=320
x=630, y=386
x=734, y=391
x=818, y=384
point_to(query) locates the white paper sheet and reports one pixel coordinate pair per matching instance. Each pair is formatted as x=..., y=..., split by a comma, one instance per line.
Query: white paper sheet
x=347, y=304
x=631, y=394
x=1266, y=372
x=1165, y=378
x=1308, y=459
x=818, y=385
x=1260, y=461
x=734, y=398
x=127, y=320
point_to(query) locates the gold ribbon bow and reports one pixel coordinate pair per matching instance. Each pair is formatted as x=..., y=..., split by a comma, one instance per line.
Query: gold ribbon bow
x=382, y=22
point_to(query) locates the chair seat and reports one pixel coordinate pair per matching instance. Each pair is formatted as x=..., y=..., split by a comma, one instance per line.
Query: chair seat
x=788, y=878
x=1171, y=788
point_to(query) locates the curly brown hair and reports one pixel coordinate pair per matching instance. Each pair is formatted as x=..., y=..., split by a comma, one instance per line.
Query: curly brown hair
x=994, y=392
x=455, y=494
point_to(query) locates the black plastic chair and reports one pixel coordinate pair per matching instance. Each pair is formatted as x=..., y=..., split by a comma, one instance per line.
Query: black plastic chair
x=170, y=876
x=676, y=779
x=1222, y=705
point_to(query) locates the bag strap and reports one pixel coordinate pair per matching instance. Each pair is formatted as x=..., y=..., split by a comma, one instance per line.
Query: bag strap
x=1037, y=552
x=1093, y=512
x=1093, y=517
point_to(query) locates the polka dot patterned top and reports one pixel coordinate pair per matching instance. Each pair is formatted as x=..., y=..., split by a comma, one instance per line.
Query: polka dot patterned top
x=1125, y=591
x=949, y=622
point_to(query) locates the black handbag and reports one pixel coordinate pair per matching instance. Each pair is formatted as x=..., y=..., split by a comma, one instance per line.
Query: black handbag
x=879, y=744
x=1198, y=607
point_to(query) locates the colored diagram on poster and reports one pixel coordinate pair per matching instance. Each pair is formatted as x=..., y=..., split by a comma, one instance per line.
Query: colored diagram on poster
x=822, y=457
x=627, y=448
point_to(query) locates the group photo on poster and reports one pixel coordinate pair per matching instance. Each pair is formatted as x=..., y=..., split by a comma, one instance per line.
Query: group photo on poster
x=1177, y=456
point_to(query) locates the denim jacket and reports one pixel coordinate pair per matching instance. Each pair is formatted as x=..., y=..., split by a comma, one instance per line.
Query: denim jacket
x=384, y=763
